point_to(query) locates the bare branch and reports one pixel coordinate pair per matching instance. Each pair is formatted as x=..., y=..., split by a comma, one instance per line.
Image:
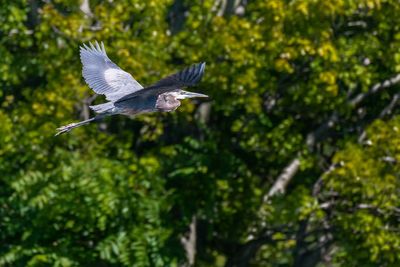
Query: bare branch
x=291, y=169
x=318, y=184
x=189, y=242
x=386, y=111
x=85, y=8
x=375, y=89
x=229, y=7
x=245, y=252
x=389, y=108
x=284, y=178
x=203, y=112
x=313, y=136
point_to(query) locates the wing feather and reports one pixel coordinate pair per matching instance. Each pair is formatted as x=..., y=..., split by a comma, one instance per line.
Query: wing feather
x=103, y=75
x=188, y=77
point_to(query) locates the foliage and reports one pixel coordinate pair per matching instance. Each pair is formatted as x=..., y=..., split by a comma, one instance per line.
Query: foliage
x=124, y=192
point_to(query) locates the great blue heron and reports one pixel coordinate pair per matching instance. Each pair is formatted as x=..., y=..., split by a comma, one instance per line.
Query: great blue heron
x=125, y=95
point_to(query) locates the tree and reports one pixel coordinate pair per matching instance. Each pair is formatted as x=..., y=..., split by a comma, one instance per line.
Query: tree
x=294, y=161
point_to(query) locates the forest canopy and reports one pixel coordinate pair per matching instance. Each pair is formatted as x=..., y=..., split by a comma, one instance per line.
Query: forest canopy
x=294, y=160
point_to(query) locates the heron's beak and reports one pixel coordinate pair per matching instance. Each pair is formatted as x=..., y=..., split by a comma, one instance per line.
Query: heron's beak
x=185, y=94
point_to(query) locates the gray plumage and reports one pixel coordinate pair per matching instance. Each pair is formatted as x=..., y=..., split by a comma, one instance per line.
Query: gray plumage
x=127, y=96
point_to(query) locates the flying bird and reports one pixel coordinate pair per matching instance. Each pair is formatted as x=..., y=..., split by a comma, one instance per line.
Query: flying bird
x=124, y=94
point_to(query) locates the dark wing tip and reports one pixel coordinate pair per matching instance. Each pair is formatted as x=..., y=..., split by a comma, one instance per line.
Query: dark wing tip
x=200, y=68
x=187, y=77
x=193, y=74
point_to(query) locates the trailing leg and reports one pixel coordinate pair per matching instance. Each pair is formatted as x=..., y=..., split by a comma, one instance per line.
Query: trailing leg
x=69, y=127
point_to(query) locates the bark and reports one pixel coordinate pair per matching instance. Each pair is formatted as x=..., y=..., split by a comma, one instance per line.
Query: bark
x=320, y=133
x=247, y=251
x=33, y=15
x=317, y=188
x=322, y=252
x=85, y=8
x=203, y=112
x=229, y=7
x=189, y=243
x=283, y=179
x=176, y=16
x=310, y=254
x=385, y=112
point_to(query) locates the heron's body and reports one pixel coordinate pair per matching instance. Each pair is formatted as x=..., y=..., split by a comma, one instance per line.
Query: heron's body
x=125, y=95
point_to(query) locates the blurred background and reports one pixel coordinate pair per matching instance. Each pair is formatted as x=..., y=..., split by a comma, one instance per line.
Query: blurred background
x=294, y=160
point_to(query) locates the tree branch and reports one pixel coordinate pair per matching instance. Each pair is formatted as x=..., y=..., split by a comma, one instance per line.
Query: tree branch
x=375, y=89
x=85, y=8
x=189, y=242
x=242, y=256
x=284, y=178
x=292, y=168
x=318, y=184
x=386, y=111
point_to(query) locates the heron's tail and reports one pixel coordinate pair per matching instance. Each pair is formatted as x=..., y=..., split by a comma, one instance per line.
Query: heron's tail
x=101, y=108
x=69, y=127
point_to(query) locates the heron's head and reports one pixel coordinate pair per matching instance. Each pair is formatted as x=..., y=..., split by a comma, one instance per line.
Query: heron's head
x=185, y=94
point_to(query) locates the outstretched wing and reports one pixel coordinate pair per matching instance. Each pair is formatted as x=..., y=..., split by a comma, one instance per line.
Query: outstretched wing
x=103, y=75
x=187, y=77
